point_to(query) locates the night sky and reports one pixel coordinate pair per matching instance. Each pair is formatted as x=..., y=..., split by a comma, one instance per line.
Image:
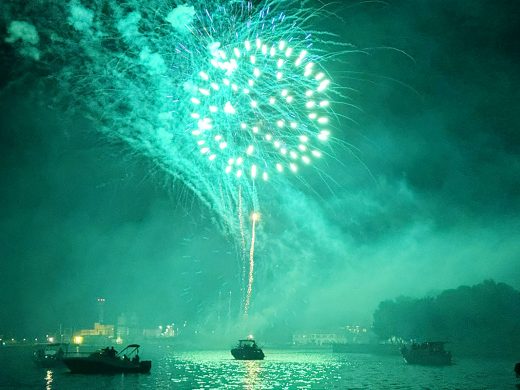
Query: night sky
x=425, y=198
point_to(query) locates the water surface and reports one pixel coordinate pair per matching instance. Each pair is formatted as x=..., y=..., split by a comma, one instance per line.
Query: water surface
x=282, y=369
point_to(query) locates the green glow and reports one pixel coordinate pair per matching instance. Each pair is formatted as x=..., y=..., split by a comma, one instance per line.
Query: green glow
x=222, y=94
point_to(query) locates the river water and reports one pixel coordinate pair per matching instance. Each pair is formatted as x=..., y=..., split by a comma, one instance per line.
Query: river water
x=282, y=369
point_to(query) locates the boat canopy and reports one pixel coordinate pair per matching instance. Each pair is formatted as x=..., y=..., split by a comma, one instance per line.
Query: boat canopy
x=130, y=349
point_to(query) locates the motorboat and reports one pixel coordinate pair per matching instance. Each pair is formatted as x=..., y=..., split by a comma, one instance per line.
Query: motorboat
x=247, y=350
x=108, y=361
x=50, y=355
x=430, y=353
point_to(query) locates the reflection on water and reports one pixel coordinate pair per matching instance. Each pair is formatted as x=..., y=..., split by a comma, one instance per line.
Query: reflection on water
x=199, y=369
x=282, y=369
x=252, y=371
x=48, y=380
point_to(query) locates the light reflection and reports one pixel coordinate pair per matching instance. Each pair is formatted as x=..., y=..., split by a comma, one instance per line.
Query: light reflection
x=252, y=372
x=48, y=380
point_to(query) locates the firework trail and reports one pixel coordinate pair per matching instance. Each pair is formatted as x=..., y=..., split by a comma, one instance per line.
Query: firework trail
x=218, y=94
x=254, y=217
x=242, y=244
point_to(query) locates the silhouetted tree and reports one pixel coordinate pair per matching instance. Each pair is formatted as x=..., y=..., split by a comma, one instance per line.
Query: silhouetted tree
x=484, y=318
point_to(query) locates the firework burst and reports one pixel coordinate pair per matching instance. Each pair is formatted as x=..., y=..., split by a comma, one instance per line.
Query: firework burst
x=219, y=95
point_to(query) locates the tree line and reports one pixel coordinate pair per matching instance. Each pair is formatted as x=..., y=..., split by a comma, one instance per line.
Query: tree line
x=483, y=319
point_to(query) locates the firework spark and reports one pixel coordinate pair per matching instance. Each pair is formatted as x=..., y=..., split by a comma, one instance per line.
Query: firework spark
x=270, y=121
x=219, y=95
x=254, y=218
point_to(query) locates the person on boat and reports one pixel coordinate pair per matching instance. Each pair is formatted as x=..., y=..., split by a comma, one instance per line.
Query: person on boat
x=112, y=352
x=135, y=359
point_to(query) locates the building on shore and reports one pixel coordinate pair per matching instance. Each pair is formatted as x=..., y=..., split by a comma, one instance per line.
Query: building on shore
x=101, y=334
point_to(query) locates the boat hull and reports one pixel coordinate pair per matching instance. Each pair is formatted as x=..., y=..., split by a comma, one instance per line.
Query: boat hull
x=48, y=363
x=93, y=365
x=243, y=354
x=426, y=358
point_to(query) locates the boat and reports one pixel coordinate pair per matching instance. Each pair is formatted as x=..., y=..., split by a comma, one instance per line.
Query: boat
x=430, y=353
x=50, y=355
x=109, y=361
x=247, y=350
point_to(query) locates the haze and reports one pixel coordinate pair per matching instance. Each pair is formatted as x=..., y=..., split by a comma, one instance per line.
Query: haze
x=426, y=197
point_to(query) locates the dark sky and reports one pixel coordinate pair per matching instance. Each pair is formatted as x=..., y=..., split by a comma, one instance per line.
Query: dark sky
x=426, y=197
